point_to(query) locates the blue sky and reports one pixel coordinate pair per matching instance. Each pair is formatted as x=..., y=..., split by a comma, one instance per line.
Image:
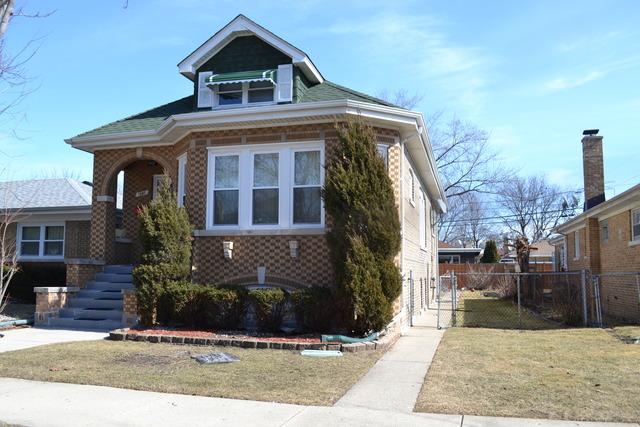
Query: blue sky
x=533, y=74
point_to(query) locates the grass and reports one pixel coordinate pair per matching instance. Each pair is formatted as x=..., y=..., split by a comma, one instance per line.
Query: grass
x=577, y=374
x=268, y=375
x=477, y=310
x=627, y=331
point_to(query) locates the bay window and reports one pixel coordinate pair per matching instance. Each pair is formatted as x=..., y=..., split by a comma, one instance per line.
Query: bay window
x=265, y=186
x=41, y=240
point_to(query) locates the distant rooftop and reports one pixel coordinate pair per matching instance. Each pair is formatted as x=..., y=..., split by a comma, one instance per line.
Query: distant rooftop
x=45, y=193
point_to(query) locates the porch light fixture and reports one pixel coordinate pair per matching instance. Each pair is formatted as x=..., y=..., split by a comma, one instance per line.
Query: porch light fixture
x=293, y=248
x=227, y=247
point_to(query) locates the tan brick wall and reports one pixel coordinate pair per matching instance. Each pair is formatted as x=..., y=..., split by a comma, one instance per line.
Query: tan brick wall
x=48, y=305
x=129, y=308
x=76, y=239
x=582, y=262
x=79, y=274
x=616, y=254
x=420, y=262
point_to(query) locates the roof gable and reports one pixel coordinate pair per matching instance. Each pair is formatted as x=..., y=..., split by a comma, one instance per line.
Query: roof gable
x=239, y=27
x=245, y=53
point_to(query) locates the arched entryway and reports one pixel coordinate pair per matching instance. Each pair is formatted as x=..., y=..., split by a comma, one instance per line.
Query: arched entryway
x=114, y=222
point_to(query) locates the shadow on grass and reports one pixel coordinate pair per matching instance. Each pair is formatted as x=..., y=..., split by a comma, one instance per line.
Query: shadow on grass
x=480, y=311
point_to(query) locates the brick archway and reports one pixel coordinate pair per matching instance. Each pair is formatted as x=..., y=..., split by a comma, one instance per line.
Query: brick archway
x=104, y=245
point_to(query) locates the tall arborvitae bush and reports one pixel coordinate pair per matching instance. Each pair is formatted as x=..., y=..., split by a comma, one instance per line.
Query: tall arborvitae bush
x=165, y=234
x=490, y=254
x=365, y=229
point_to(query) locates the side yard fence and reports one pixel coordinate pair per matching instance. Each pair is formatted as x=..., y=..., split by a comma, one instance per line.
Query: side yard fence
x=537, y=300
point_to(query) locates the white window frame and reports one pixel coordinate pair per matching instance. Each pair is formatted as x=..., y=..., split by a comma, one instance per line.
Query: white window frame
x=41, y=241
x=576, y=245
x=182, y=176
x=245, y=184
x=245, y=97
x=634, y=238
x=604, y=225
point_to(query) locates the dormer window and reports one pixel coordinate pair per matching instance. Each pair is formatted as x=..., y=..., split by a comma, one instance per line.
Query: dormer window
x=241, y=88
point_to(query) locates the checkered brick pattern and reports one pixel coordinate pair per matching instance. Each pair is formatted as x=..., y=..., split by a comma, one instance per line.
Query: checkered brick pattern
x=394, y=170
x=106, y=165
x=76, y=239
x=311, y=267
x=79, y=274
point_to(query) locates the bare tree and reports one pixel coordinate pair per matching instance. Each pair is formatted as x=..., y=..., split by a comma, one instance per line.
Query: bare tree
x=13, y=76
x=9, y=216
x=531, y=207
x=402, y=98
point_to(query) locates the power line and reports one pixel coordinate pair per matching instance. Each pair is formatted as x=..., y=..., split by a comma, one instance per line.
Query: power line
x=503, y=217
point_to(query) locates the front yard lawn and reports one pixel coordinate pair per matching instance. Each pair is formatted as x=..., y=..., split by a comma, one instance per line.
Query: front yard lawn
x=269, y=375
x=577, y=374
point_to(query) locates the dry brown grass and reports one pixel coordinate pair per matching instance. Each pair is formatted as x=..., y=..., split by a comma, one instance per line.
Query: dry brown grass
x=269, y=375
x=578, y=374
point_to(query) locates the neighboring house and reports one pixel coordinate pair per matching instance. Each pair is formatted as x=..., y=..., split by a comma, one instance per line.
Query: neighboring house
x=541, y=257
x=449, y=254
x=605, y=238
x=246, y=153
x=53, y=218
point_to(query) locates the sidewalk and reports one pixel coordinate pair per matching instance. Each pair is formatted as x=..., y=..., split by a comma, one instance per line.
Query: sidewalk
x=394, y=382
x=17, y=339
x=34, y=403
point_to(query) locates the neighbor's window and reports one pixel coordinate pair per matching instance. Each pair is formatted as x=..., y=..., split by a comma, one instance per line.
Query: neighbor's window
x=604, y=228
x=41, y=240
x=266, y=186
x=306, y=187
x=182, y=176
x=576, y=244
x=635, y=225
x=383, y=152
x=226, y=190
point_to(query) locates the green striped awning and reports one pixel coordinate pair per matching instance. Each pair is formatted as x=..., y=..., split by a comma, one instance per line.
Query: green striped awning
x=243, y=76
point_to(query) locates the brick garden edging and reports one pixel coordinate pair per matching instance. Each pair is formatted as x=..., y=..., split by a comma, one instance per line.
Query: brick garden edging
x=127, y=334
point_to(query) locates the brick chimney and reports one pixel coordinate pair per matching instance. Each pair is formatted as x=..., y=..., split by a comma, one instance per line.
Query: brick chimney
x=592, y=169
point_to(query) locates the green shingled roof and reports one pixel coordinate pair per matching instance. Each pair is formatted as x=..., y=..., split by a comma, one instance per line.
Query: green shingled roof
x=152, y=119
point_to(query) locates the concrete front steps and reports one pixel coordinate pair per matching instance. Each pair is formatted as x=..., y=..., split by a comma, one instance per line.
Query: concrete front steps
x=98, y=306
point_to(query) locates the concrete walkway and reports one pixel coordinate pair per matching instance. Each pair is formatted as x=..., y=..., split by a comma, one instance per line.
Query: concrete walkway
x=394, y=382
x=17, y=339
x=35, y=404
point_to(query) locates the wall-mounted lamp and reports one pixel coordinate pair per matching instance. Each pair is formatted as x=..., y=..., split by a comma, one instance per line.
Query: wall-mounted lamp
x=293, y=248
x=227, y=247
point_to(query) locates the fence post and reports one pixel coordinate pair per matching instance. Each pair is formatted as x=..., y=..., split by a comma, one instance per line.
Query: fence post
x=437, y=291
x=583, y=283
x=454, y=294
x=519, y=306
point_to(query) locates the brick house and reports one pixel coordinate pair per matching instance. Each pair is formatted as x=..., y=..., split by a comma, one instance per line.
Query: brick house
x=245, y=153
x=605, y=238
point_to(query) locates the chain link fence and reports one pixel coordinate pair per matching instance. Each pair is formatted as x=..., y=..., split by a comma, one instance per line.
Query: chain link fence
x=516, y=300
x=617, y=297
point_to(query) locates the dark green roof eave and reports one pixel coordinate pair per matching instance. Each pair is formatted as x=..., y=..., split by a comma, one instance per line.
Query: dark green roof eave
x=153, y=118
x=147, y=120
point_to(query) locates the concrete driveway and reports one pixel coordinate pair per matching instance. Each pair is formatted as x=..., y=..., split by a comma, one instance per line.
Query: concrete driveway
x=17, y=339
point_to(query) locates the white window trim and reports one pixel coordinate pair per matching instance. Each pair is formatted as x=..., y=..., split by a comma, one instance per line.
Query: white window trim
x=42, y=240
x=245, y=97
x=634, y=239
x=182, y=176
x=245, y=184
